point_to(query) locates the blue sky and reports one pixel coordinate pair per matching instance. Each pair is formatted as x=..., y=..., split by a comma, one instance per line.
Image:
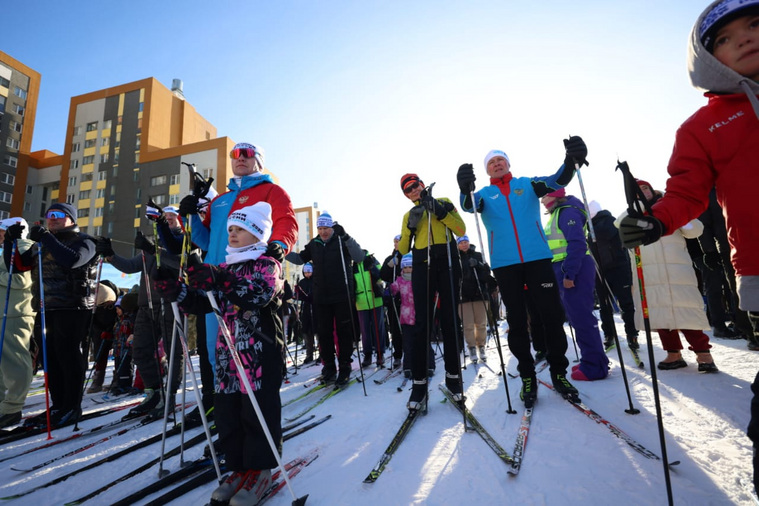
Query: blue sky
x=347, y=96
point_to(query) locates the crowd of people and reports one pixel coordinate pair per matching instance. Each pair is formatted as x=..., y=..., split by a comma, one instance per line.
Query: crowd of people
x=695, y=245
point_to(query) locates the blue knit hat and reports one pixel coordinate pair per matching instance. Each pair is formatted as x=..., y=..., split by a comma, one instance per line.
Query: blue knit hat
x=324, y=220
x=309, y=267
x=406, y=260
x=462, y=238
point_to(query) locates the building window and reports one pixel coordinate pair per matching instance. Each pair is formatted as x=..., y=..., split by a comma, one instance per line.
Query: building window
x=4, y=215
x=7, y=178
x=104, y=158
x=16, y=126
x=88, y=159
x=10, y=161
x=6, y=197
x=78, y=130
x=207, y=173
x=98, y=211
x=115, y=170
x=70, y=198
x=2, y=103
x=29, y=189
x=85, y=194
x=113, y=190
x=19, y=92
x=44, y=194
x=82, y=213
x=159, y=200
x=158, y=180
x=102, y=175
x=74, y=164
x=174, y=199
x=72, y=181
x=100, y=193
x=75, y=147
x=107, y=124
x=12, y=143
x=4, y=82
x=87, y=177
x=97, y=230
x=90, y=143
x=92, y=126
x=105, y=141
x=138, y=142
x=19, y=109
x=27, y=206
x=174, y=179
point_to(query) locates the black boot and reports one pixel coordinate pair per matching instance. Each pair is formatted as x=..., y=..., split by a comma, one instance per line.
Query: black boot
x=418, y=399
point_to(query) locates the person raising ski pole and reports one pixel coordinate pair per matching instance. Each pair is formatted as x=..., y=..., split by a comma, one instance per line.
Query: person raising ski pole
x=717, y=148
x=426, y=233
x=520, y=256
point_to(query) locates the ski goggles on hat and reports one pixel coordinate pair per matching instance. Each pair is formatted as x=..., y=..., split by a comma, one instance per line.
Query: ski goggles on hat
x=55, y=215
x=246, y=152
x=410, y=188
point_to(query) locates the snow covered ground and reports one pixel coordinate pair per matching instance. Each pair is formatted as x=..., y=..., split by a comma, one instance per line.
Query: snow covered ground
x=569, y=458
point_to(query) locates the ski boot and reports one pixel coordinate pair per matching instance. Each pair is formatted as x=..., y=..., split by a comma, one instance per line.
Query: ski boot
x=418, y=399
x=255, y=485
x=562, y=385
x=529, y=392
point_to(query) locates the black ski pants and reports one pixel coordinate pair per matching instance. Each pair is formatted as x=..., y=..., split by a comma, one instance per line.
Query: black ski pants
x=425, y=283
x=335, y=317
x=535, y=281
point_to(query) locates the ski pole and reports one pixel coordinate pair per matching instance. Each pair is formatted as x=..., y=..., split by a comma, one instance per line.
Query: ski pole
x=510, y=410
x=606, y=294
x=7, y=297
x=246, y=382
x=44, y=337
x=350, y=310
x=88, y=337
x=635, y=197
x=454, y=315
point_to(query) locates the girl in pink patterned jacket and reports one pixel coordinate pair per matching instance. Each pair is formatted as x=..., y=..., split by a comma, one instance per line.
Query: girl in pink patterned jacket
x=247, y=286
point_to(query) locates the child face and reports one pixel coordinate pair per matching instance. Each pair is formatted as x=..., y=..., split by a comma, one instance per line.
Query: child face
x=239, y=237
x=407, y=270
x=737, y=45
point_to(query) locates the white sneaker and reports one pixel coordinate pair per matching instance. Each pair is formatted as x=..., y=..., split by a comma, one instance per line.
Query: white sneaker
x=253, y=490
x=227, y=489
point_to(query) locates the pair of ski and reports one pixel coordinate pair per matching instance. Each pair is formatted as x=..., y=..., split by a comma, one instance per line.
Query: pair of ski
x=408, y=422
x=23, y=432
x=389, y=373
x=633, y=352
x=114, y=456
x=201, y=475
x=201, y=472
x=616, y=431
x=143, y=420
x=321, y=400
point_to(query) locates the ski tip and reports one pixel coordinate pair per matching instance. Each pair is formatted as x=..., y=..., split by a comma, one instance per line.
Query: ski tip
x=300, y=501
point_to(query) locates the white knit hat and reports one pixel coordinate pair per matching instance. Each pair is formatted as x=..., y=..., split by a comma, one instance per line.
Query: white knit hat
x=496, y=152
x=256, y=219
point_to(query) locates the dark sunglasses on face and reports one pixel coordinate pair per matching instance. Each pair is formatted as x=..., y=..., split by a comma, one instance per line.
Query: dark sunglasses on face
x=55, y=215
x=411, y=188
x=246, y=152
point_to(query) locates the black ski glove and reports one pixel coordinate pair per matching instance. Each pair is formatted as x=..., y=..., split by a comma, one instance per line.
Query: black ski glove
x=414, y=216
x=14, y=232
x=712, y=260
x=576, y=151
x=103, y=247
x=466, y=178
x=275, y=251
x=143, y=243
x=37, y=232
x=434, y=206
x=636, y=230
x=188, y=205
x=339, y=230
